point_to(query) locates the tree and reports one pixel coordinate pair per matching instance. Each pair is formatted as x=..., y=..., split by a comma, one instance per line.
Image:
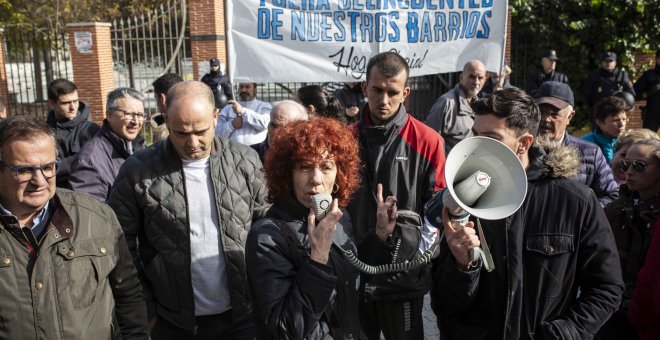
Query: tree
x=580, y=31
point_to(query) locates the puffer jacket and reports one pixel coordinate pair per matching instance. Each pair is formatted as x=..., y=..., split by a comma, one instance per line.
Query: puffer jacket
x=594, y=170
x=559, y=241
x=290, y=291
x=71, y=136
x=96, y=166
x=149, y=197
x=408, y=159
x=78, y=283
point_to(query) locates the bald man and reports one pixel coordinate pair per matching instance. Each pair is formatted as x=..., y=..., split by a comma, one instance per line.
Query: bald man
x=284, y=112
x=451, y=114
x=186, y=205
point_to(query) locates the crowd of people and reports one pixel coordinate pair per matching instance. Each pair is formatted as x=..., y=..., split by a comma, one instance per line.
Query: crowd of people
x=214, y=231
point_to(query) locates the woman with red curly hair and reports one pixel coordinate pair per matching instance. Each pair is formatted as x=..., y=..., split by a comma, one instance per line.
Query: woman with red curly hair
x=301, y=286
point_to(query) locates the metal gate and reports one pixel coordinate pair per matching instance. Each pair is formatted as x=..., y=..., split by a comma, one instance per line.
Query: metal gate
x=148, y=45
x=34, y=57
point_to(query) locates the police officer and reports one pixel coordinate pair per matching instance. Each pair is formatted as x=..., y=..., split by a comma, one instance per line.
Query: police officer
x=219, y=84
x=604, y=82
x=648, y=87
x=546, y=73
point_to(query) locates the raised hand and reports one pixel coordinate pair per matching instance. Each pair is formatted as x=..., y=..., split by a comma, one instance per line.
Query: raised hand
x=386, y=214
x=320, y=236
x=460, y=240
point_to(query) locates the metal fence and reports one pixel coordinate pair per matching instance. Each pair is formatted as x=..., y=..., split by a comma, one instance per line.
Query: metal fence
x=34, y=57
x=148, y=45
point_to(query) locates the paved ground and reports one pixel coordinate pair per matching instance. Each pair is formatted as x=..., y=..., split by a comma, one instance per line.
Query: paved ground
x=430, y=329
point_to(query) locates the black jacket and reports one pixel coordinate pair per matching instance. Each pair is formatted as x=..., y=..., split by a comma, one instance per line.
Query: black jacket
x=557, y=243
x=537, y=78
x=289, y=291
x=594, y=171
x=408, y=158
x=96, y=166
x=648, y=87
x=220, y=85
x=149, y=198
x=71, y=136
x=601, y=83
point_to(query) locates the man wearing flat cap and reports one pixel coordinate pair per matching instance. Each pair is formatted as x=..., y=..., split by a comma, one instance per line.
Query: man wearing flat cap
x=604, y=82
x=219, y=84
x=555, y=100
x=546, y=73
x=648, y=88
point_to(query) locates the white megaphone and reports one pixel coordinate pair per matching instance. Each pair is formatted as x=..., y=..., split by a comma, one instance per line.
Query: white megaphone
x=485, y=179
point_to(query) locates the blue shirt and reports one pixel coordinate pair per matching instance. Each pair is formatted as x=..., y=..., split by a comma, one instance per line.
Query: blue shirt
x=605, y=143
x=39, y=221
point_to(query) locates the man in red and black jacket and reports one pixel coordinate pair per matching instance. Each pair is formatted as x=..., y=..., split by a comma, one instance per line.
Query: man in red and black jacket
x=408, y=159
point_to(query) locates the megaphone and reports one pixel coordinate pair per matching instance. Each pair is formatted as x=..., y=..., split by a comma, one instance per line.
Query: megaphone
x=485, y=179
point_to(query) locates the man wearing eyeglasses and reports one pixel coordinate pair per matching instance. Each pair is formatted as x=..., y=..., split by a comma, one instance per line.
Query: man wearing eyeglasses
x=65, y=269
x=96, y=166
x=555, y=100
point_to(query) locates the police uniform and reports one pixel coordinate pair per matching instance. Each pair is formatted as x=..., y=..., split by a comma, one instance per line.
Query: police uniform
x=539, y=77
x=648, y=87
x=602, y=83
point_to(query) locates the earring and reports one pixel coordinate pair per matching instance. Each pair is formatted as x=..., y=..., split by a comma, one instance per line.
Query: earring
x=335, y=188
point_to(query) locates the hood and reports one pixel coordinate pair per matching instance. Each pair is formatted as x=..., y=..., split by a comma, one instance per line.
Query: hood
x=552, y=159
x=83, y=115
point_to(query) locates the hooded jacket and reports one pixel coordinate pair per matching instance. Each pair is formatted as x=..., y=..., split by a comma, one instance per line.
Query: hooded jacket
x=96, y=166
x=291, y=305
x=78, y=282
x=149, y=198
x=594, y=171
x=559, y=241
x=71, y=136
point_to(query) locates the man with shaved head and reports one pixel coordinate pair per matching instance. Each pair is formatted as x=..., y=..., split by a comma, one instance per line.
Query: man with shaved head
x=186, y=205
x=451, y=114
x=283, y=113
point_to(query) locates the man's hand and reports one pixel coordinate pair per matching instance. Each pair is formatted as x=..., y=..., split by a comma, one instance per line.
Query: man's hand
x=320, y=236
x=352, y=111
x=460, y=241
x=237, y=122
x=386, y=214
x=238, y=109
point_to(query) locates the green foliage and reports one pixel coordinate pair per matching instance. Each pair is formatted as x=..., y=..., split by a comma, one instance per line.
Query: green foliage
x=580, y=31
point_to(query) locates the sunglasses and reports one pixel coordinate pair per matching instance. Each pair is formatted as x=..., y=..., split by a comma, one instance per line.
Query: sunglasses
x=637, y=165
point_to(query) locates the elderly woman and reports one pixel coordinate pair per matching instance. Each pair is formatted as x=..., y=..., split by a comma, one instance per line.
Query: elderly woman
x=621, y=147
x=302, y=287
x=632, y=218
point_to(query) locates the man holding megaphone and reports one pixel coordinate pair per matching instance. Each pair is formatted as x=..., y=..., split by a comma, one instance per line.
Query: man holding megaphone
x=556, y=272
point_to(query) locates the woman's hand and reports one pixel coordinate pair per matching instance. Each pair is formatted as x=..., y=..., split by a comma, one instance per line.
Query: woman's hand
x=385, y=214
x=320, y=236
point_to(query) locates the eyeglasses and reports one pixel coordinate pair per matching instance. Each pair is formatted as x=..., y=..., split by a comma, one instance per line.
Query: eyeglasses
x=26, y=173
x=638, y=166
x=129, y=115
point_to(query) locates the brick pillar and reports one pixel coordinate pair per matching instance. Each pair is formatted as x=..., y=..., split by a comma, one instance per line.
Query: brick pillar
x=4, y=93
x=207, y=34
x=92, y=64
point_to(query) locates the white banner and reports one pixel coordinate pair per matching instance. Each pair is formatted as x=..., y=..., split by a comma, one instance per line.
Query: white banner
x=332, y=40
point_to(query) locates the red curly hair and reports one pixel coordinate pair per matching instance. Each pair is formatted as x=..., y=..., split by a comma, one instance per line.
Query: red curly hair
x=307, y=141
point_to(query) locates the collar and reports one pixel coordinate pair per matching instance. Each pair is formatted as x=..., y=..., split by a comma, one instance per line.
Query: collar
x=602, y=139
x=119, y=144
x=398, y=120
x=463, y=101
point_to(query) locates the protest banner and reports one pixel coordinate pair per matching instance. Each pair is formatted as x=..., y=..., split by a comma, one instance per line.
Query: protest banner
x=332, y=40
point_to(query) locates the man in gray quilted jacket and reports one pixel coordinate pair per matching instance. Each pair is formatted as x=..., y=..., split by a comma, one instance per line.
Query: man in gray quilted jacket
x=186, y=206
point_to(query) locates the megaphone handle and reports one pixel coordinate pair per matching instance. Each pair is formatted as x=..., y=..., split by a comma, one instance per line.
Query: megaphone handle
x=460, y=223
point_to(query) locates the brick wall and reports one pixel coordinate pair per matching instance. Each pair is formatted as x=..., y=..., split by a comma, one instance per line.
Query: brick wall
x=4, y=94
x=635, y=119
x=92, y=70
x=207, y=32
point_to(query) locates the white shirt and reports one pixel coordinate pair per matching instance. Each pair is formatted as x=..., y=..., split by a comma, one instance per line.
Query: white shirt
x=208, y=268
x=256, y=116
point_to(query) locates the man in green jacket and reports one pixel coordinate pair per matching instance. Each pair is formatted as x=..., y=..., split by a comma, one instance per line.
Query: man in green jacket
x=65, y=269
x=186, y=205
